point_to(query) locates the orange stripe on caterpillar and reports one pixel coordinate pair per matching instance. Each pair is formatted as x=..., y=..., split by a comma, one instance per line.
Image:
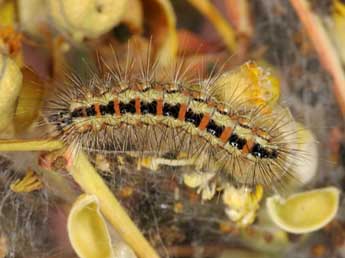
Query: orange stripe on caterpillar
x=224, y=137
x=248, y=147
x=204, y=121
x=137, y=106
x=182, y=112
x=98, y=110
x=159, y=107
x=117, y=107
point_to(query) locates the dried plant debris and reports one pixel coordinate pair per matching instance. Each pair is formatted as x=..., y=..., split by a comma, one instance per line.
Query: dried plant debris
x=24, y=216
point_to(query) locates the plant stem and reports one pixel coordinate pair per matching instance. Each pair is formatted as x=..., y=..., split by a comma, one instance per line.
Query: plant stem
x=30, y=145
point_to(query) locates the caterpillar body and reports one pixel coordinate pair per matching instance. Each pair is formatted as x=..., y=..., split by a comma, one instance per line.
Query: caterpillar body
x=241, y=141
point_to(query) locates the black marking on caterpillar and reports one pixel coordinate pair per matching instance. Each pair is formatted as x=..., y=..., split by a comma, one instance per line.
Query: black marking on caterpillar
x=154, y=117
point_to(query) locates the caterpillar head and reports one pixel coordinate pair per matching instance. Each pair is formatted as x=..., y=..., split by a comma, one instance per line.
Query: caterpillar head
x=61, y=119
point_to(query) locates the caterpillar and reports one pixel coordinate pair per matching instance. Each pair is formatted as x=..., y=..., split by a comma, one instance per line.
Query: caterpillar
x=147, y=113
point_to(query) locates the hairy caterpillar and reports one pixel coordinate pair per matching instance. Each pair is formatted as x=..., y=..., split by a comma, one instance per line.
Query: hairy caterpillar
x=123, y=110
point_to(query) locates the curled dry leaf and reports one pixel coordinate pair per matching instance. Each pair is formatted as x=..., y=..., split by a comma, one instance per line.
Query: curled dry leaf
x=87, y=229
x=88, y=232
x=90, y=19
x=10, y=86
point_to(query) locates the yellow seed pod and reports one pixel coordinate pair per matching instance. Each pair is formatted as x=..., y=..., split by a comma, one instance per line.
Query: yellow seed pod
x=248, y=83
x=10, y=86
x=90, y=19
x=87, y=229
x=304, y=212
